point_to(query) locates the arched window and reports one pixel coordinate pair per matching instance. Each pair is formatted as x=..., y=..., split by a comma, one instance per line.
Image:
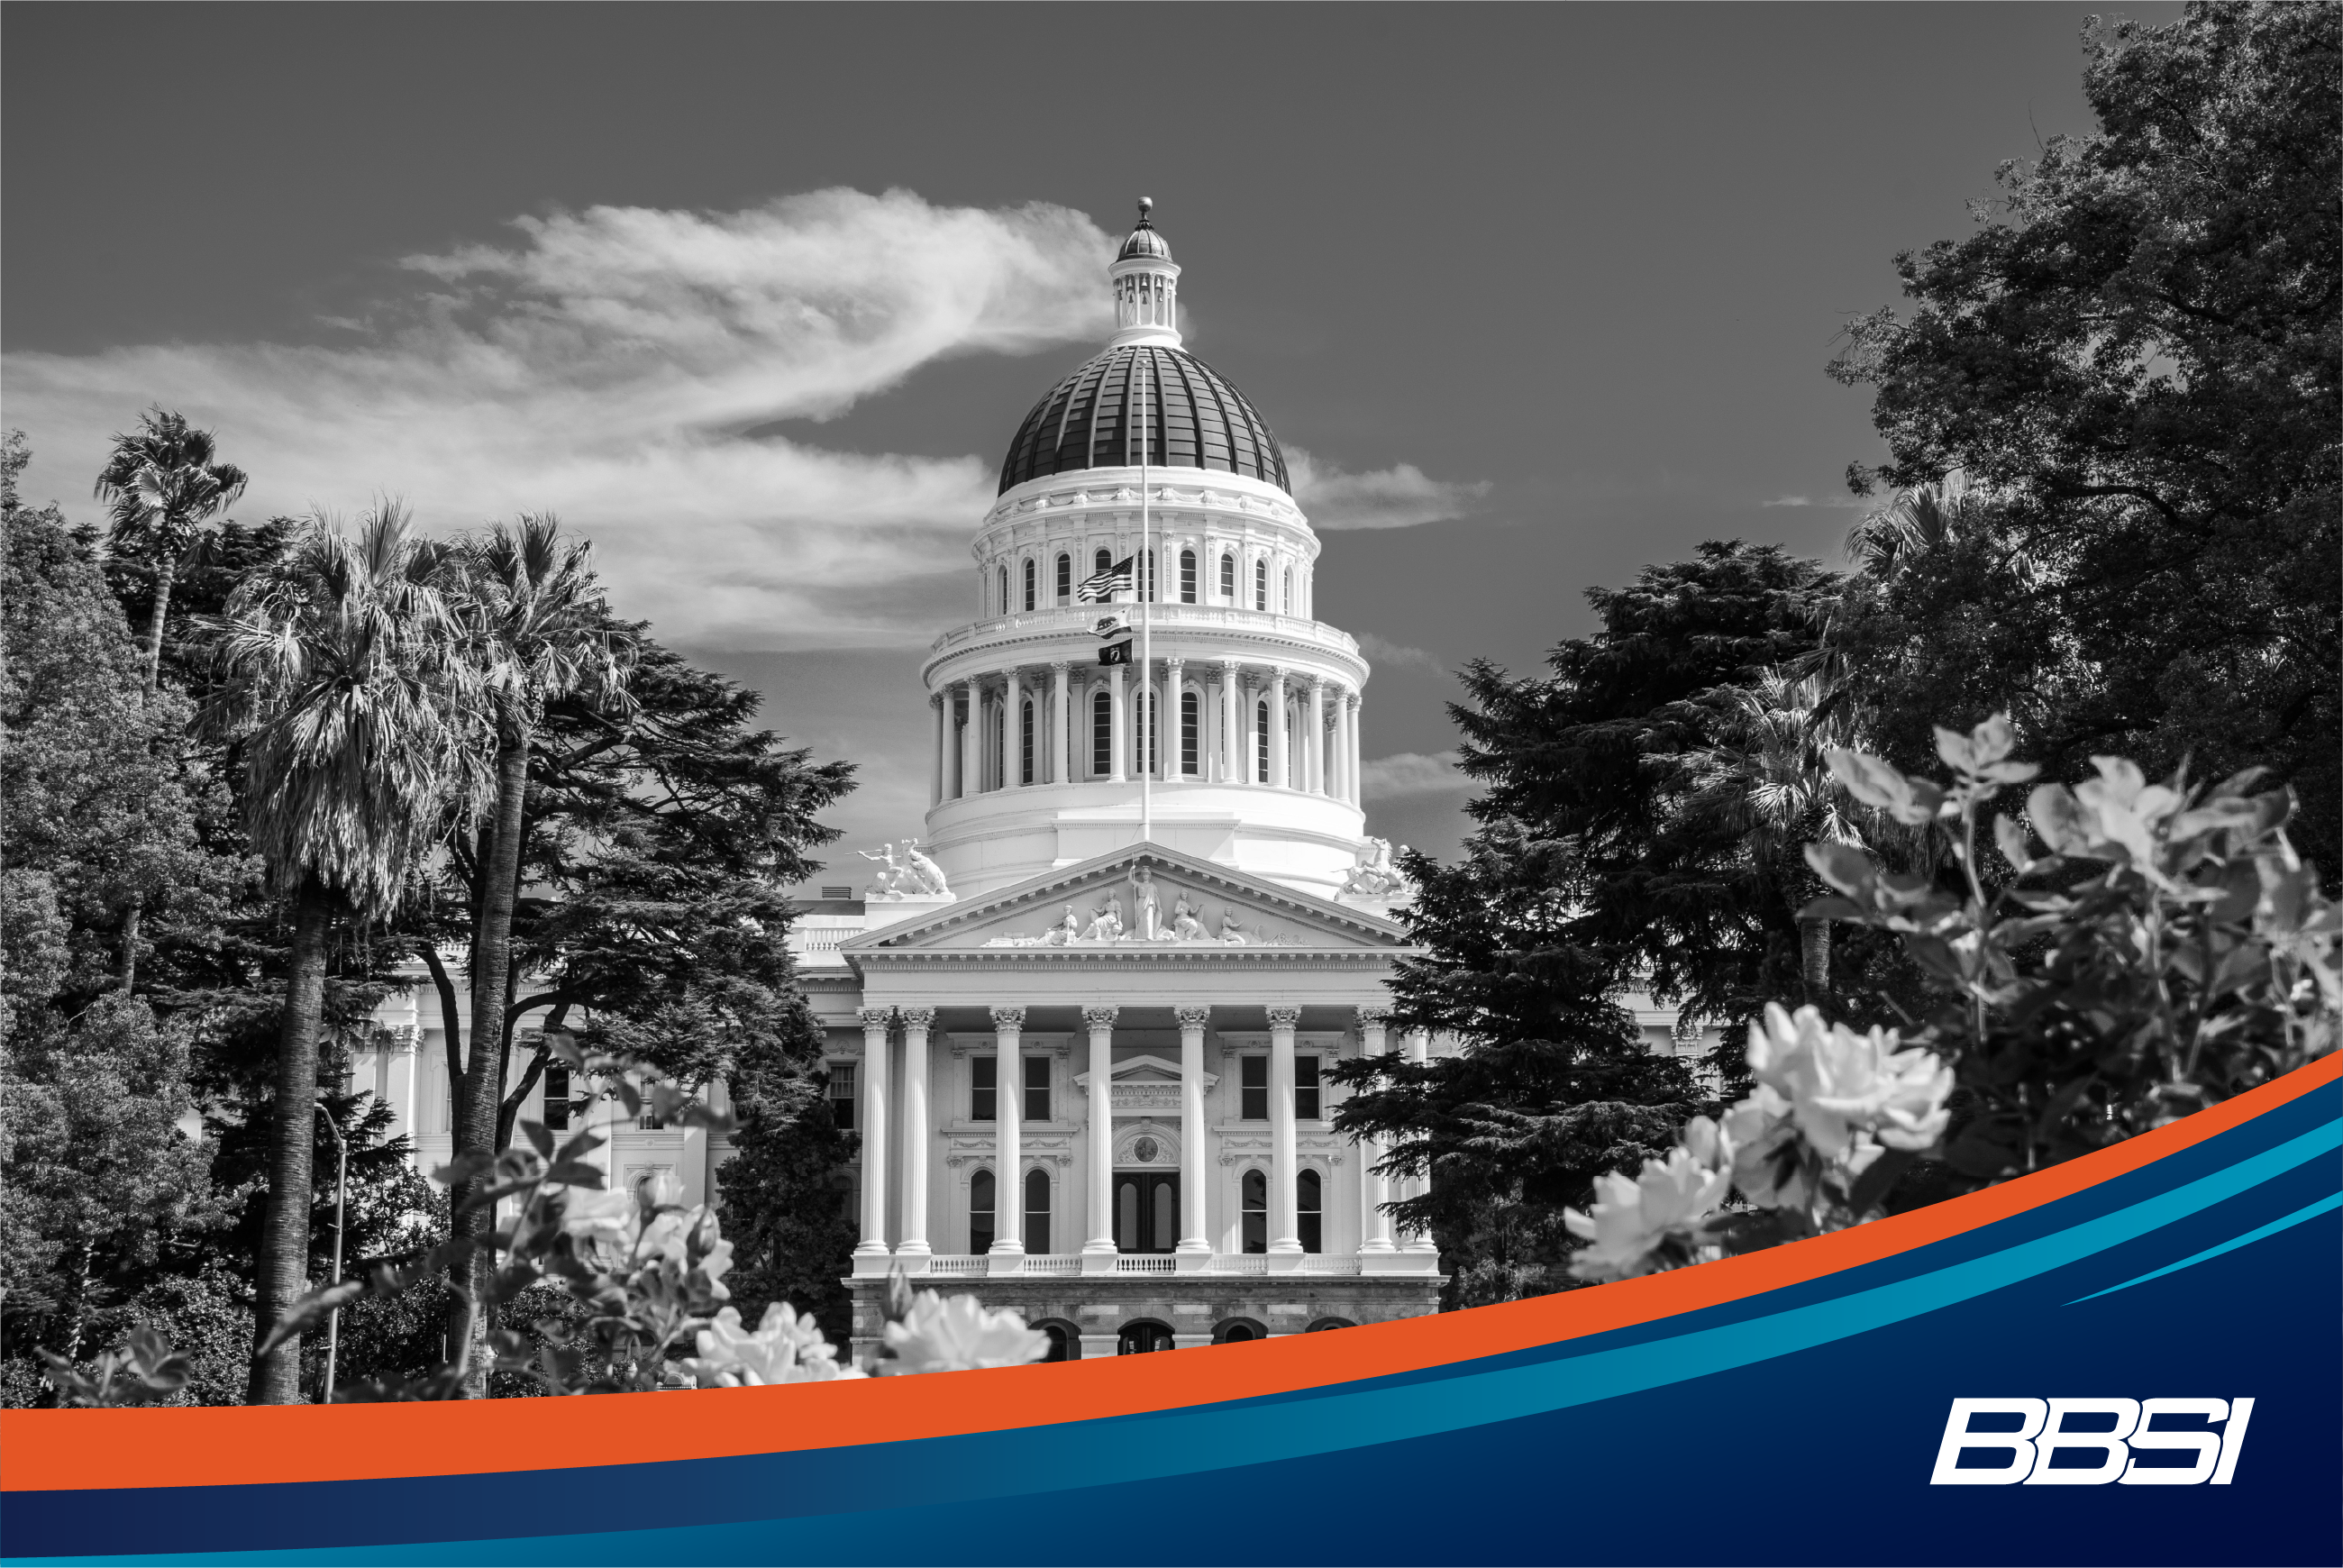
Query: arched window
x=1029, y=584
x=1140, y=1339
x=1253, y=1189
x=1187, y=577
x=1025, y=739
x=1229, y=577
x=1065, y=577
x=1261, y=742
x=1308, y=1203
x=1102, y=561
x=1101, y=734
x=980, y=1211
x=1056, y=1334
x=1237, y=1333
x=1192, y=732
x=1037, y=1212
x=1001, y=606
x=1261, y=585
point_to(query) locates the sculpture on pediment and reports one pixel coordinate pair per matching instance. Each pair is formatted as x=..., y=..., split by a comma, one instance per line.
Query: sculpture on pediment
x=1146, y=913
x=1374, y=876
x=1106, y=921
x=907, y=874
x=1069, y=930
x=1186, y=927
x=1231, y=929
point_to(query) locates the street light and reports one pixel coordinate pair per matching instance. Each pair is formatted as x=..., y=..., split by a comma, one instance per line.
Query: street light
x=341, y=1193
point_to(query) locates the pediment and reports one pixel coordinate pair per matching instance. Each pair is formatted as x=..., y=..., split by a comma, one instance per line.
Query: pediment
x=1100, y=908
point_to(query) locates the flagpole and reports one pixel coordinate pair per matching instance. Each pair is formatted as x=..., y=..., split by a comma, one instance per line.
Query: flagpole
x=1149, y=739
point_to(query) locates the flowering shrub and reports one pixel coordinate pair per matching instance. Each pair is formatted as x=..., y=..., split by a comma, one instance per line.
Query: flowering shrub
x=2166, y=950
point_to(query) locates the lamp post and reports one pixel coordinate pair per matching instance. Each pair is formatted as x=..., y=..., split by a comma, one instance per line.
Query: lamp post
x=341, y=1194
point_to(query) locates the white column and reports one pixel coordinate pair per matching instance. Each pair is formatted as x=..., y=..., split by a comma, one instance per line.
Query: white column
x=1009, y=1152
x=972, y=742
x=1358, y=768
x=916, y=1069
x=1374, y=1225
x=1012, y=734
x=1315, y=764
x=1061, y=749
x=1284, y=1227
x=1119, y=732
x=1194, y=1239
x=1174, y=729
x=873, y=1128
x=951, y=742
x=1100, y=1146
x=944, y=734
x=1280, y=771
x=1419, y=1049
x=1232, y=759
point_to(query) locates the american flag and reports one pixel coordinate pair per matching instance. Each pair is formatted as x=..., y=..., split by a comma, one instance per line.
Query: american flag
x=1120, y=578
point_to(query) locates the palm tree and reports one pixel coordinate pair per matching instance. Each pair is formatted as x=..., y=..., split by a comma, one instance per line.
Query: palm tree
x=1764, y=780
x=537, y=631
x=343, y=682
x=162, y=483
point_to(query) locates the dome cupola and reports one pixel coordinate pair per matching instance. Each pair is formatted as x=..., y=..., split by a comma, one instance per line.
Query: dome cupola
x=1194, y=418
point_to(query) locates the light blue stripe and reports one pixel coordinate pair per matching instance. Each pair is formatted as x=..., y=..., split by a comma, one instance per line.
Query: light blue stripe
x=1196, y=1441
x=2326, y=1205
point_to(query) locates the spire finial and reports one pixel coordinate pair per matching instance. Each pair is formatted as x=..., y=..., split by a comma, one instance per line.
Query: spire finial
x=1146, y=205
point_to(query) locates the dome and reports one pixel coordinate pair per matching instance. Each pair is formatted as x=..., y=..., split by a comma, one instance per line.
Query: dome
x=1199, y=420
x=1144, y=242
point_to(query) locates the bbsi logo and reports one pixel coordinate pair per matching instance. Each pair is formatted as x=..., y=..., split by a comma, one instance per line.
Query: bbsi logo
x=2043, y=1430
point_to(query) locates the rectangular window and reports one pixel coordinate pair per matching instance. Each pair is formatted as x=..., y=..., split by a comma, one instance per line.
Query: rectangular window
x=1037, y=1088
x=557, y=1096
x=1191, y=733
x=1187, y=577
x=1025, y=744
x=986, y=1077
x=1305, y=1089
x=841, y=1095
x=1065, y=580
x=1252, y=1089
x=1101, y=735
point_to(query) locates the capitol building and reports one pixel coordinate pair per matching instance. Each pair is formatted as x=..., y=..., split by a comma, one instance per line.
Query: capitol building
x=1081, y=1022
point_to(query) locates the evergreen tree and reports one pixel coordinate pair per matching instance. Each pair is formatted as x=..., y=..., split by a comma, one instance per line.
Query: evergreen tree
x=2137, y=360
x=783, y=1194
x=98, y=1177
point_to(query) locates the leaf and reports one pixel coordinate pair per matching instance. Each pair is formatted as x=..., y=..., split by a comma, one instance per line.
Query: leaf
x=2061, y=820
x=464, y=1168
x=1845, y=868
x=2010, y=840
x=628, y=1096
x=575, y=1173
x=308, y=1310
x=538, y=1138
x=1834, y=908
x=1871, y=781
x=1871, y=1188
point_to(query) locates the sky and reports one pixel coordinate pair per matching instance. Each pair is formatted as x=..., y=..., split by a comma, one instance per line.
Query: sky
x=755, y=295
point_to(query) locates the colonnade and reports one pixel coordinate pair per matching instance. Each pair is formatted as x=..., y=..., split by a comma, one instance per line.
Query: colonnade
x=1310, y=741
x=879, y=1172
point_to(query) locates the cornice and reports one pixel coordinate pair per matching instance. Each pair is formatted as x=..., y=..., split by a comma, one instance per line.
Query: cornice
x=1039, y=637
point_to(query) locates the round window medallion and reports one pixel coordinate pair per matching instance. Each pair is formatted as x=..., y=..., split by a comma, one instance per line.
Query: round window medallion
x=1144, y=1151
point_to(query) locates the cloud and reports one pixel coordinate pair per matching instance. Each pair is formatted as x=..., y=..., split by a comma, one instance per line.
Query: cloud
x=604, y=367
x=1400, y=496
x=1412, y=773
x=1834, y=503
x=1382, y=650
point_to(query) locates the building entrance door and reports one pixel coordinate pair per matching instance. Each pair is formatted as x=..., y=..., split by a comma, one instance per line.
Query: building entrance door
x=1141, y=1338
x=1146, y=1210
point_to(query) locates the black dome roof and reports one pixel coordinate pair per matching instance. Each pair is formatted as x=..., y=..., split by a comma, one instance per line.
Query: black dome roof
x=1199, y=420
